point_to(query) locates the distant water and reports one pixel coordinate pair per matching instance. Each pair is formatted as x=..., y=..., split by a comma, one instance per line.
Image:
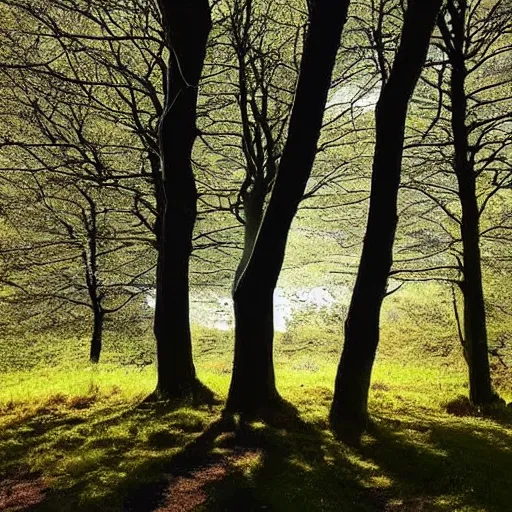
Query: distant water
x=213, y=310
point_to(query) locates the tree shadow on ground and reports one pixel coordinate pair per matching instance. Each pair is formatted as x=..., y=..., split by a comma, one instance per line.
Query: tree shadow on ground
x=290, y=464
x=238, y=465
x=440, y=465
x=230, y=465
x=87, y=447
x=152, y=458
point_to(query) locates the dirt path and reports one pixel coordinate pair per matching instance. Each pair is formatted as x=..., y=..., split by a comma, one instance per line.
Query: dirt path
x=186, y=493
x=19, y=493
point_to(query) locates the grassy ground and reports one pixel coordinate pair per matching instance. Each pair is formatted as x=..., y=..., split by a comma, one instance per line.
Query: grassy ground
x=77, y=438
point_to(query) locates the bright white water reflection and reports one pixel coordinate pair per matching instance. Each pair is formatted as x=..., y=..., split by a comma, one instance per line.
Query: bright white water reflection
x=211, y=310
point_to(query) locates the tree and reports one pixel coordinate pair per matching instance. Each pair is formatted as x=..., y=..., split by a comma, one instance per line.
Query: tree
x=348, y=413
x=77, y=124
x=252, y=388
x=475, y=330
x=460, y=162
x=71, y=233
x=187, y=27
x=115, y=63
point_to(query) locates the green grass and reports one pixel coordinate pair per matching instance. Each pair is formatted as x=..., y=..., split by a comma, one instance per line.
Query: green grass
x=77, y=438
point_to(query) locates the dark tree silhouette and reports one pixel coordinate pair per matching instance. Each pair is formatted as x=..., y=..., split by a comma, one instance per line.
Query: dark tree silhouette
x=453, y=30
x=252, y=388
x=187, y=26
x=461, y=165
x=348, y=414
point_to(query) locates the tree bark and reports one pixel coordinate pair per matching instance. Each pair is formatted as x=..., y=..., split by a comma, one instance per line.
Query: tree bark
x=92, y=280
x=252, y=388
x=475, y=328
x=253, y=205
x=187, y=26
x=349, y=410
x=157, y=178
x=97, y=335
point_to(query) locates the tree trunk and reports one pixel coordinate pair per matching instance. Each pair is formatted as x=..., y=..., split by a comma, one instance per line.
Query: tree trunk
x=349, y=408
x=257, y=359
x=252, y=388
x=253, y=213
x=97, y=335
x=475, y=330
x=156, y=174
x=187, y=26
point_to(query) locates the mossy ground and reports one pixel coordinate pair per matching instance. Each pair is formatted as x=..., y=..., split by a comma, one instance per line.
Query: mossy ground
x=79, y=438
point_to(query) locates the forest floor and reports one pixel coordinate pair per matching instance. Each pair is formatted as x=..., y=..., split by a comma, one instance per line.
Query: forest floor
x=80, y=438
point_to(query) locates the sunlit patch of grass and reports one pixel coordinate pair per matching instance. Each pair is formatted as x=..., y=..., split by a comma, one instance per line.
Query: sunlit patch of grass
x=44, y=386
